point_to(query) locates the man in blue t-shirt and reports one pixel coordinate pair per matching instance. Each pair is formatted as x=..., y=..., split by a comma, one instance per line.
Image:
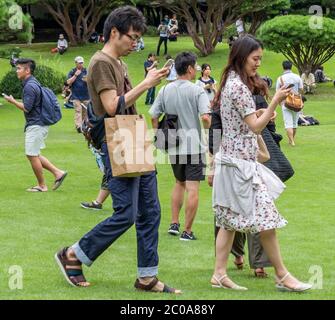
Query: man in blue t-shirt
x=149, y=64
x=35, y=130
x=77, y=80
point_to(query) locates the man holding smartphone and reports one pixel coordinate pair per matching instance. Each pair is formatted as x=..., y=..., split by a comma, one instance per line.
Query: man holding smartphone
x=77, y=81
x=149, y=64
x=135, y=200
x=35, y=131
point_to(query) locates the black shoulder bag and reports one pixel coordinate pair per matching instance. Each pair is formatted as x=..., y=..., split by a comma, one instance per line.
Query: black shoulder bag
x=166, y=136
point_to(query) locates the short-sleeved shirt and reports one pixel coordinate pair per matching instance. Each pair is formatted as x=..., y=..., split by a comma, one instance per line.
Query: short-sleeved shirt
x=172, y=75
x=210, y=92
x=164, y=31
x=188, y=101
x=79, y=86
x=31, y=98
x=147, y=64
x=105, y=73
x=290, y=78
x=238, y=141
x=62, y=43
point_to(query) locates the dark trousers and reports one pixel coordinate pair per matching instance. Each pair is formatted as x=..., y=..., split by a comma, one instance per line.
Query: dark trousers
x=62, y=50
x=150, y=98
x=257, y=255
x=135, y=200
x=161, y=40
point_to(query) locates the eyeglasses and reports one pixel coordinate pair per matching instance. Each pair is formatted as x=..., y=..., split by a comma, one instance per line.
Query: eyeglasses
x=133, y=37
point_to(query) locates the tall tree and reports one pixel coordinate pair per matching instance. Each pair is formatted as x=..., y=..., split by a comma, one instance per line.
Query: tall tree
x=299, y=40
x=78, y=18
x=212, y=16
x=258, y=17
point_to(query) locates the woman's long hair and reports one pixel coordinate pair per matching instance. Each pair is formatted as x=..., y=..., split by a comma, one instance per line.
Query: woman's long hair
x=238, y=56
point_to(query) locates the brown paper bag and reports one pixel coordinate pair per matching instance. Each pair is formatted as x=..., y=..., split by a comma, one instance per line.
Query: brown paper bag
x=130, y=149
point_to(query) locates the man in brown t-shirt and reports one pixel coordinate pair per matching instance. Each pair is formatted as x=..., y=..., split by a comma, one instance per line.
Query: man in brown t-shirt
x=135, y=200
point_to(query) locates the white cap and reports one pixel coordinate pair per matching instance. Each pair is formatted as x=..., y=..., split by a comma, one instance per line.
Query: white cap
x=79, y=59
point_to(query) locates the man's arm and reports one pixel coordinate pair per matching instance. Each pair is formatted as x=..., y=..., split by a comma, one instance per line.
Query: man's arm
x=73, y=78
x=16, y=103
x=109, y=98
x=154, y=123
x=206, y=120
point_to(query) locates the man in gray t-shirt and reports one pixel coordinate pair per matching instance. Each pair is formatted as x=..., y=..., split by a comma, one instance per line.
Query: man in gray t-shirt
x=190, y=103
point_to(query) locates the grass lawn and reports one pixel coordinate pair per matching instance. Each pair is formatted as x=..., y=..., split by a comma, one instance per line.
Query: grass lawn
x=34, y=226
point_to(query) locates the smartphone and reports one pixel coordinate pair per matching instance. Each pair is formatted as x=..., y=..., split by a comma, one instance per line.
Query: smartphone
x=169, y=63
x=291, y=85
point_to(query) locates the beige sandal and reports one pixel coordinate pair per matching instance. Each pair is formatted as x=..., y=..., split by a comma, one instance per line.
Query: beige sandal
x=219, y=284
x=300, y=287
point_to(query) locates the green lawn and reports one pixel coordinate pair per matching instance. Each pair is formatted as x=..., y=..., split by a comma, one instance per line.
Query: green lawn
x=34, y=226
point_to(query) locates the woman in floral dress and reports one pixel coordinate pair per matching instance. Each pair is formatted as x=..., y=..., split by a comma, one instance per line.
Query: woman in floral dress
x=243, y=189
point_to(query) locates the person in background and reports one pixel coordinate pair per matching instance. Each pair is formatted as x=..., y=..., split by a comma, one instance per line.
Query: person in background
x=290, y=117
x=240, y=27
x=149, y=64
x=320, y=75
x=77, y=81
x=104, y=191
x=163, y=30
x=35, y=130
x=173, y=73
x=66, y=94
x=94, y=38
x=190, y=103
x=206, y=81
x=62, y=44
x=308, y=80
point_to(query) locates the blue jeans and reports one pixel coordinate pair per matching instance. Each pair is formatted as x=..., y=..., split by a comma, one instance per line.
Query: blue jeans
x=135, y=200
x=150, y=98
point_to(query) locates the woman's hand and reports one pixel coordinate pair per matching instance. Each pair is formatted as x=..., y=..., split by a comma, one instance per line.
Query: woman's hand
x=281, y=95
x=210, y=180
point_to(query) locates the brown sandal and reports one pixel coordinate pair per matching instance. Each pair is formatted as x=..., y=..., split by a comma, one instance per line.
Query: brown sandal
x=150, y=286
x=260, y=273
x=73, y=276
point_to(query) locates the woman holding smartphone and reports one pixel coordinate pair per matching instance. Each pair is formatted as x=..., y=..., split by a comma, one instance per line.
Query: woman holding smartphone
x=243, y=189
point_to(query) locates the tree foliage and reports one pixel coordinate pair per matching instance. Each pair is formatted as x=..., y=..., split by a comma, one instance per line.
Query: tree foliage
x=212, y=17
x=78, y=18
x=301, y=41
x=256, y=18
x=14, y=25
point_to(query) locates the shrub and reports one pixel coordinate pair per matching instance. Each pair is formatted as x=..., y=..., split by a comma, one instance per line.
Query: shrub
x=300, y=40
x=152, y=31
x=45, y=75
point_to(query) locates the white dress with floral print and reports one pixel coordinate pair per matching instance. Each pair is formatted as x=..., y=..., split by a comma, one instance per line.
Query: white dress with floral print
x=238, y=141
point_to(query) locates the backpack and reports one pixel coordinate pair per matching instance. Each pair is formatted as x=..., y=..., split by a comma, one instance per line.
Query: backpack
x=50, y=108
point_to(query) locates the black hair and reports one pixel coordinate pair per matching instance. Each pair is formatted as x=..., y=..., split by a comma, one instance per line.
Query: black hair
x=183, y=61
x=123, y=19
x=151, y=55
x=30, y=63
x=167, y=57
x=287, y=65
x=204, y=66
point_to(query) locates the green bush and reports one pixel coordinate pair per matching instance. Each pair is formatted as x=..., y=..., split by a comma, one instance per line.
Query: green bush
x=45, y=75
x=151, y=31
x=7, y=53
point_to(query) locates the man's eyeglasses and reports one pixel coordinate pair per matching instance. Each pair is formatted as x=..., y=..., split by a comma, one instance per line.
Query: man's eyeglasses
x=133, y=37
